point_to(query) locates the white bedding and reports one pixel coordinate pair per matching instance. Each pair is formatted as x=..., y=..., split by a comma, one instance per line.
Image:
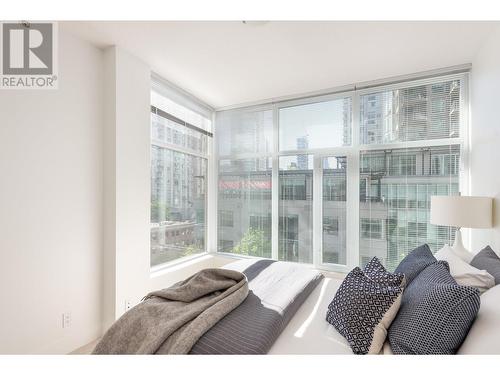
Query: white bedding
x=308, y=332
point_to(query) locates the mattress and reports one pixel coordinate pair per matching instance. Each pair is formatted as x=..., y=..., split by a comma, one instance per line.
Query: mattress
x=308, y=332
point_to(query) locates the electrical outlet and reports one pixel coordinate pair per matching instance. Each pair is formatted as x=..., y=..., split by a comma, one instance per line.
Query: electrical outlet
x=66, y=320
x=128, y=305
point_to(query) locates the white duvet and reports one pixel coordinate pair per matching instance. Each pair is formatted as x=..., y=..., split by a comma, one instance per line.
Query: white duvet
x=309, y=333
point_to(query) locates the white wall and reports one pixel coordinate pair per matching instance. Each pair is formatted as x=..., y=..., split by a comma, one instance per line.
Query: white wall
x=485, y=136
x=51, y=207
x=74, y=199
x=126, y=181
x=127, y=189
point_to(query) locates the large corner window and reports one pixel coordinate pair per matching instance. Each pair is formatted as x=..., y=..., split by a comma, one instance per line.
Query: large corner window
x=180, y=140
x=334, y=180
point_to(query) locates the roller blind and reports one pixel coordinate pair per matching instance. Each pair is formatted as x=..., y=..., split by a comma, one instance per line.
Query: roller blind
x=396, y=183
x=193, y=106
x=245, y=132
x=414, y=113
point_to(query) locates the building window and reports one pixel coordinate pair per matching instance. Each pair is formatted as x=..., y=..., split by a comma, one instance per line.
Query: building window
x=293, y=185
x=373, y=163
x=443, y=164
x=226, y=218
x=403, y=165
x=179, y=162
x=331, y=225
x=371, y=228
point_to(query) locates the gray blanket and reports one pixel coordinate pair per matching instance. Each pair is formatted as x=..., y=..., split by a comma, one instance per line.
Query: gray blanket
x=170, y=321
x=277, y=290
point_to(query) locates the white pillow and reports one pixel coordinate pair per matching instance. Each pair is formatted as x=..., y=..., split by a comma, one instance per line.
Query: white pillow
x=463, y=254
x=483, y=337
x=464, y=273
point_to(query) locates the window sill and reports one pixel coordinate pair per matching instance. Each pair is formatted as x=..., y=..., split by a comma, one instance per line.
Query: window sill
x=177, y=264
x=329, y=270
x=338, y=269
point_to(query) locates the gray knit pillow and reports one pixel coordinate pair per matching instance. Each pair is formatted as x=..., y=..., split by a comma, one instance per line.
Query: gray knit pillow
x=415, y=262
x=488, y=260
x=435, y=315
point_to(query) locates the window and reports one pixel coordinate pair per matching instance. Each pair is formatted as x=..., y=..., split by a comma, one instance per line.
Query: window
x=373, y=163
x=444, y=163
x=179, y=162
x=245, y=203
x=304, y=127
x=245, y=132
x=330, y=225
x=420, y=112
x=226, y=218
x=403, y=164
x=334, y=209
x=403, y=201
x=371, y=228
x=295, y=208
x=337, y=179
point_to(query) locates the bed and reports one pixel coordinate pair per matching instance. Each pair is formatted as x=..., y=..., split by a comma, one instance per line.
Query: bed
x=285, y=313
x=308, y=332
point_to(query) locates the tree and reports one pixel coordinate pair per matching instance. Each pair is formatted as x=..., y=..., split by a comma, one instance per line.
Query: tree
x=255, y=243
x=159, y=211
x=191, y=250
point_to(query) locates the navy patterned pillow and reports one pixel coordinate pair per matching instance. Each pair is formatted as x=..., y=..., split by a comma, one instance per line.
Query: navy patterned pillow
x=415, y=262
x=363, y=309
x=376, y=271
x=436, y=313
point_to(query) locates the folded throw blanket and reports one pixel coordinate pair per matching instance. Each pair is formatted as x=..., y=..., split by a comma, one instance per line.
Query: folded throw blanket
x=170, y=321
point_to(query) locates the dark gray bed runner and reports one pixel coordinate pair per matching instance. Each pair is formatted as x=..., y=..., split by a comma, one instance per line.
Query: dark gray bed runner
x=277, y=290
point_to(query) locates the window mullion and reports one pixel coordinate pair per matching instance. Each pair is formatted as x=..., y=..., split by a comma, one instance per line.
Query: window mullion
x=213, y=193
x=317, y=211
x=464, y=170
x=275, y=188
x=352, y=215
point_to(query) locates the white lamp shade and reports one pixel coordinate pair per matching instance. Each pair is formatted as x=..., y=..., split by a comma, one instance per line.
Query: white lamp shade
x=460, y=211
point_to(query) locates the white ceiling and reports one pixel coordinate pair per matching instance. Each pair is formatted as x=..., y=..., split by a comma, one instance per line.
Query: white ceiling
x=227, y=63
